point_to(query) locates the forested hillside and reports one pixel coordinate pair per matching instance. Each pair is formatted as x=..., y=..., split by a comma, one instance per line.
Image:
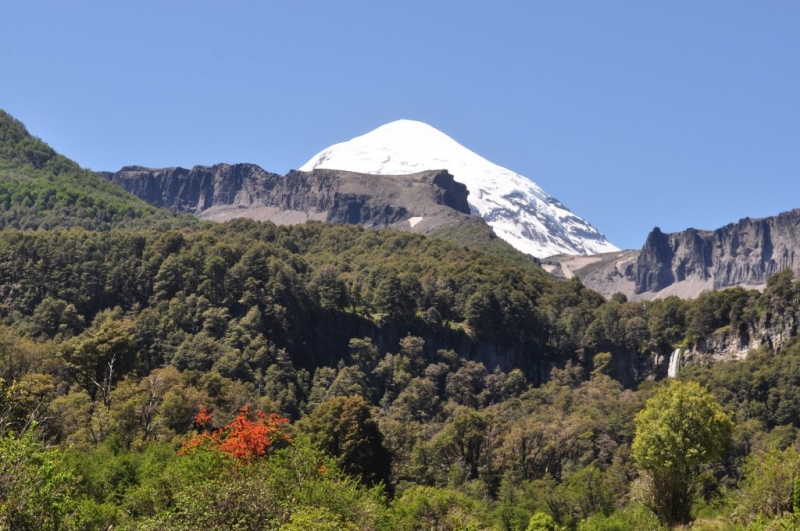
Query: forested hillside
x=485, y=383
x=41, y=189
x=249, y=376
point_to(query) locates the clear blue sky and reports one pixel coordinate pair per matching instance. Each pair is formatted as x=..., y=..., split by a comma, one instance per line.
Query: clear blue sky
x=633, y=114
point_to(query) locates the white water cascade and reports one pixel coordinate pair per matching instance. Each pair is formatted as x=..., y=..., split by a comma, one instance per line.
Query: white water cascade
x=675, y=360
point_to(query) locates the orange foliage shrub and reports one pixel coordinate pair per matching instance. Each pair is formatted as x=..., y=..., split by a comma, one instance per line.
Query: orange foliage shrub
x=243, y=439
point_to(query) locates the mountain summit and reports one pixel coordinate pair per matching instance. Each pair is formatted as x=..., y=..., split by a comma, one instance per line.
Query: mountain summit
x=518, y=210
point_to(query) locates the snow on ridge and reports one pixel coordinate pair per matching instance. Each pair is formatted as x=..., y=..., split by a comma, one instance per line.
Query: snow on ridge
x=518, y=210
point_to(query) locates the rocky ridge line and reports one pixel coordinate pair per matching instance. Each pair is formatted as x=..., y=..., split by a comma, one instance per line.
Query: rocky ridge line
x=743, y=253
x=420, y=202
x=689, y=262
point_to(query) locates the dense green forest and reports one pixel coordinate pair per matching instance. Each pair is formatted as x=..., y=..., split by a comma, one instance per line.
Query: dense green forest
x=158, y=373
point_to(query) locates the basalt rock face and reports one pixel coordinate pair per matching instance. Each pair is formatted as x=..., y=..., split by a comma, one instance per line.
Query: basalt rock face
x=194, y=190
x=743, y=253
x=687, y=263
x=653, y=270
x=421, y=202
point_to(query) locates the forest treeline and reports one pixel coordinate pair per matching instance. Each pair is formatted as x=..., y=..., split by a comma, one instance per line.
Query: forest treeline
x=478, y=392
x=161, y=373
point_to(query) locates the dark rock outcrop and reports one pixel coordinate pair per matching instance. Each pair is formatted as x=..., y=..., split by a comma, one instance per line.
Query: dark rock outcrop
x=652, y=269
x=194, y=190
x=743, y=253
x=687, y=263
x=421, y=202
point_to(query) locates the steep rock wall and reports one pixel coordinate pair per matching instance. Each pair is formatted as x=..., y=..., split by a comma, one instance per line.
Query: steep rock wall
x=421, y=202
x=743, y=253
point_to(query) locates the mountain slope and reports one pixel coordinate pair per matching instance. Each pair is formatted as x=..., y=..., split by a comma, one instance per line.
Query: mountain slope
x=428, y=202
x=518, y=210
x=41, y=189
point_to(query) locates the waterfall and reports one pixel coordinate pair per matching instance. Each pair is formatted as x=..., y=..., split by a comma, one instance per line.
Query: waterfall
x=674, y=363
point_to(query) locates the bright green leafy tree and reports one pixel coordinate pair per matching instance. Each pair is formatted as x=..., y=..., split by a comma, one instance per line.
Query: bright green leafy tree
x=681, y=427
x=35, y=487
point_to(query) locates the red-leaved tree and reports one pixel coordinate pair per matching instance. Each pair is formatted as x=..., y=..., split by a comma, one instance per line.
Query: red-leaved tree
x=248, y=437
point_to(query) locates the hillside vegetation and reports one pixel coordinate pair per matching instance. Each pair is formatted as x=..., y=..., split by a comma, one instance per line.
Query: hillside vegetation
x=480, y=237
x=249, y=376
x=41, y=189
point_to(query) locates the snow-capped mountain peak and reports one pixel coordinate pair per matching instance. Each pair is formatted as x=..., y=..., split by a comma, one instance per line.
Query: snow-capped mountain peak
x=518, y=210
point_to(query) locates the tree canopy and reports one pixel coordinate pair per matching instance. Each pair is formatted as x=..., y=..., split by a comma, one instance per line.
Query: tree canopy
x=681, y=427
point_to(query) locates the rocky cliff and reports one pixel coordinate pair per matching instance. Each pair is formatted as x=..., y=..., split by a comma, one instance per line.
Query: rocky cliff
x=743, y=253
x=773, y=329
x=687, y=263
x=420, y=202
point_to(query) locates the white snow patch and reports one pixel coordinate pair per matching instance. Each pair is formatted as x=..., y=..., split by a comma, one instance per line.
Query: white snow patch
x=413, y=221
x=516, y=208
